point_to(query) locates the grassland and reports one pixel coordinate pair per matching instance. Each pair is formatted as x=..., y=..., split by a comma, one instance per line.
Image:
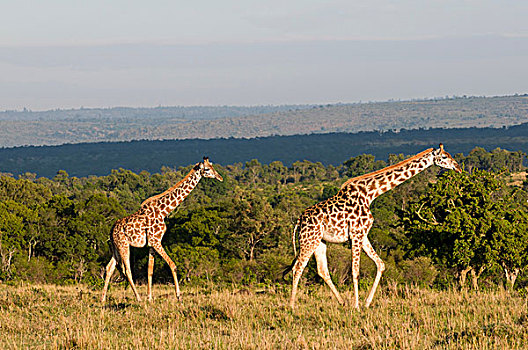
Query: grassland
x=168, y=123
x=54, y=317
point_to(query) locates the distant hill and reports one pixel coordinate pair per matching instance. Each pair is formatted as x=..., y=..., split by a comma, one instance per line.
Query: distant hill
x=164, y=123
x=60, y=126
x=333, y=148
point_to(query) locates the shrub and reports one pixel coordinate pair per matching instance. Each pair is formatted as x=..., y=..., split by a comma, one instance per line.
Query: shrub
x=419, y=271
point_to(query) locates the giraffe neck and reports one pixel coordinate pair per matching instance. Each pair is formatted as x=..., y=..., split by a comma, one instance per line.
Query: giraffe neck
x=167, y=201
x=384, y=180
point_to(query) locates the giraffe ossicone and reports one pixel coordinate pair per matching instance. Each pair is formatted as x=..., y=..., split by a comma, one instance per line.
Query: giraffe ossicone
x=347, y=217
x=147, y=227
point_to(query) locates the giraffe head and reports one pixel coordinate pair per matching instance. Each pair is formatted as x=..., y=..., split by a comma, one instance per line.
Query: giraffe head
x=444, y=159
x=207, y=170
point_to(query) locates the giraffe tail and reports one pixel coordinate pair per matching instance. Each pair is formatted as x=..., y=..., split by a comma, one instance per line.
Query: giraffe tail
x=289, y=268
x=293, y=236
x=115, y=254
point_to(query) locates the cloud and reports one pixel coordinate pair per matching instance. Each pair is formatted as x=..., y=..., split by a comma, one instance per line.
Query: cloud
x=260, y=73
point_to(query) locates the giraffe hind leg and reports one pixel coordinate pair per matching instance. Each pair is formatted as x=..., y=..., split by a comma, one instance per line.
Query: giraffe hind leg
x=302, y=260
x=110, y=268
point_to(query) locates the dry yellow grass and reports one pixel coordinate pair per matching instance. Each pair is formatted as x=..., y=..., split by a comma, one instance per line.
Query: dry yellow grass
x=50, y=317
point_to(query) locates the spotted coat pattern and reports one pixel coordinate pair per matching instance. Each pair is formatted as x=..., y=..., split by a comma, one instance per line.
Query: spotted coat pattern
x=347, y=217
x=147, y=227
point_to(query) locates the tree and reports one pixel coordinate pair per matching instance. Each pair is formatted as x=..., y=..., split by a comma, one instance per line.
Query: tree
x=362, y=164
x=195, y=239
x=453, y=222
x=254, y=225
x=496, y=160
x=15, y=233
x=510, y=240
x=253, y=171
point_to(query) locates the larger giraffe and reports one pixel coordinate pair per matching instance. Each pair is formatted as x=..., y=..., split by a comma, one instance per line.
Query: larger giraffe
x=346, y=216
x=147, y=226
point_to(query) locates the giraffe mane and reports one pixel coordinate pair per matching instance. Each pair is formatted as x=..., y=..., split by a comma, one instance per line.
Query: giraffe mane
x=410, y=159
x=150, y=199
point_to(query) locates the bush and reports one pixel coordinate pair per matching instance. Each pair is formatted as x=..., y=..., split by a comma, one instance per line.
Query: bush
x=419, y=271
x=38, y=270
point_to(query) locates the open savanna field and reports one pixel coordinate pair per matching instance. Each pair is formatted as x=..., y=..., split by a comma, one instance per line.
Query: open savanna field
x=50, y=317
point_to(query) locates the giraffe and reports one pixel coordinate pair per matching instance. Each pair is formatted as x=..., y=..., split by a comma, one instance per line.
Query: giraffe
x=347, y=217
x=147, y=227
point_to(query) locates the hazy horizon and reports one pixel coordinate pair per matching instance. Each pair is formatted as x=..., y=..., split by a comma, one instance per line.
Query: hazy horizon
x=391, y=100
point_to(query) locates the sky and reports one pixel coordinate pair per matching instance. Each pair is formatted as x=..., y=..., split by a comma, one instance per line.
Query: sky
x=72, y=54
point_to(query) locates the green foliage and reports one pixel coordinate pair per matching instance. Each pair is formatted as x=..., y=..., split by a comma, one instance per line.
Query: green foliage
x=419, y=271
x=239, y=230
x=496, y=160
x=465, y=221
x=362, y=164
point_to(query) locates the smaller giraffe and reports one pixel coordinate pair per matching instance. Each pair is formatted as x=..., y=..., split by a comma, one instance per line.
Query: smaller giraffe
x=347, y=217
x=147, y=227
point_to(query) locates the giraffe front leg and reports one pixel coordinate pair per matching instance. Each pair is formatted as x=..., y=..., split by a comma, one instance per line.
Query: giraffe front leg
x=124, y=253
x=367, y=247
x=356, y=254
x=172, y=266
x=150, y=273
x=128, y=273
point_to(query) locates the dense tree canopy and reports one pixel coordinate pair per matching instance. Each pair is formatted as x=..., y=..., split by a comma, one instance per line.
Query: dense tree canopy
x=468, y=221
x=429, y=230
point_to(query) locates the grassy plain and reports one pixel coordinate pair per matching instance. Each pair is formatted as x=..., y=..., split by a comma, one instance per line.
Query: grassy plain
x=55, y=317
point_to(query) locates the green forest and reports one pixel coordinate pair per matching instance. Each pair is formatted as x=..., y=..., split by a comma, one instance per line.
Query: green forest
x=438, y=229
x=87, y=159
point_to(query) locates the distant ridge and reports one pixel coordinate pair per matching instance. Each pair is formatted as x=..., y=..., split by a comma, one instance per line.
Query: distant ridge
x=177, y=123
x=333, y=148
